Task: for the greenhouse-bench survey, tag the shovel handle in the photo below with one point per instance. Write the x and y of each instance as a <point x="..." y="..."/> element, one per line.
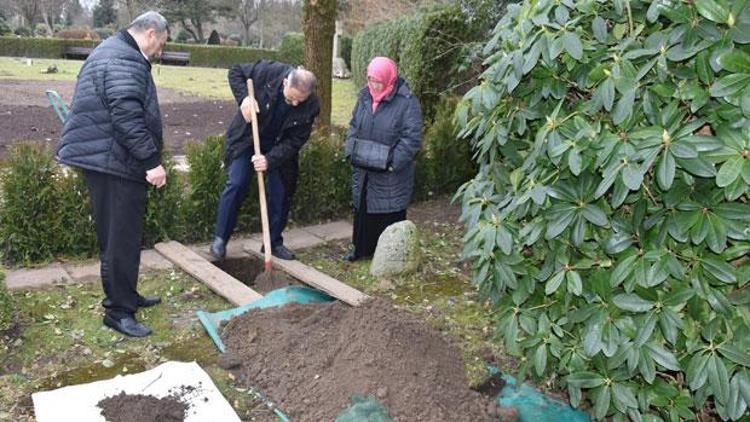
<point x="261" y="182"/>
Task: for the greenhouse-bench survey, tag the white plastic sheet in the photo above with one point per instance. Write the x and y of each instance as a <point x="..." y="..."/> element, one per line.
<point x="78" y="402"/>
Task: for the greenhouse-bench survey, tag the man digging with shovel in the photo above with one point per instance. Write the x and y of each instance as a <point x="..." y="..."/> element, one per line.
<point x="286" y="105"/>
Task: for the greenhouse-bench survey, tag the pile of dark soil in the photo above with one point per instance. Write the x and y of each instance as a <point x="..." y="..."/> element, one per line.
<point x="311" y="359"/>
<point x="138" y="407"/>
<point x="144" y="408"/>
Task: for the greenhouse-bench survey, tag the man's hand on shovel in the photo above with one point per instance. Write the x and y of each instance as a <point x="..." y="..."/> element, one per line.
<point x="248" y="106"/>
<point x="259" y="162"/>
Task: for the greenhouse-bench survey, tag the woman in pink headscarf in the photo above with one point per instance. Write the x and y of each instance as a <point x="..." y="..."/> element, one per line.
<point x="384" y="136"/>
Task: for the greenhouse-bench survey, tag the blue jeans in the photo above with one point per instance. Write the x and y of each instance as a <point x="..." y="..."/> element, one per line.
<point x="235" y="192"/>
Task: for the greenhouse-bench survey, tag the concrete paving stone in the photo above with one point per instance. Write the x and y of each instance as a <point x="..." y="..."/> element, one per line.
<point x="331" y="231"/>
<point x="300" y="239"/>
<point x="153" y="260"/>
<point x="84" y="273"/>
<point x="33" y="278"/>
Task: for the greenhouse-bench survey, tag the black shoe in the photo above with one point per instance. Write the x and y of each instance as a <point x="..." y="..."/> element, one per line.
<point x="219" y="248"/>
<point x="350" y="256"/>
<point x="143" y="301"/>
<point x="147" y="301"/>
<point x="128" y="326"/>
<point x="281" y="252"/>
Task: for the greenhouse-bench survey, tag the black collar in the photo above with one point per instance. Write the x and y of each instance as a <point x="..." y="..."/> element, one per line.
<point x="129" y="40"/>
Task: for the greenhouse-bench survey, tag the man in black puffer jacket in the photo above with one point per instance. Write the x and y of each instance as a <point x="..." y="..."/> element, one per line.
<point x="287" y="106"/>
<point x="114" y="134"/>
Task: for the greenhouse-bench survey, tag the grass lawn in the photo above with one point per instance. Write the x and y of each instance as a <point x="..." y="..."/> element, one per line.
<point x="210" y="83"/>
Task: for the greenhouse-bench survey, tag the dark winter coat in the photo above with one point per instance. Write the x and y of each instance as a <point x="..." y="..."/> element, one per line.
<point x="114" y="125"/>
<point x="267" y="79"/>
<point x="396" y="125"/>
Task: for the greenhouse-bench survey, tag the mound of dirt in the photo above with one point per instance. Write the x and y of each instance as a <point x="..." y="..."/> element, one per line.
<point x="138" y="407"/>
<point x="144" y="408"/>
<point x="311" y="359"/>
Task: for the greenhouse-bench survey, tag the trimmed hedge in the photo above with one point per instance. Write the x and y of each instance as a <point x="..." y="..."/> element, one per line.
<point x="44" y="208"/>
<point x="200" y="55"/>
<point x="425" y="45"/>
<point x="292" y="48"/>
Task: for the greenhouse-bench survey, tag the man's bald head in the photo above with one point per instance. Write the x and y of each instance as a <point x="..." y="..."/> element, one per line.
<point x="299" y="85"/>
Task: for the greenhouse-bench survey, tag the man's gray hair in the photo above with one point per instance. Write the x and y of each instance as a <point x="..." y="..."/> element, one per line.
<point x="303" y="80"/>
<point x="149" y="20"/>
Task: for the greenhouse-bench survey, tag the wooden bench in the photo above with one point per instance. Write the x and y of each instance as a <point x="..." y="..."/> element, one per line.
<point x="175" y="57"/>
<point x="71" y="52"/>
<point x="167" y="57"/>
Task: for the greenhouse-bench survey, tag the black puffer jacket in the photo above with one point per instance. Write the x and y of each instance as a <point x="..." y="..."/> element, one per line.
<point x="114" y="125"/>
<point x="267" y="78"/>
<point x="397" y="124"/>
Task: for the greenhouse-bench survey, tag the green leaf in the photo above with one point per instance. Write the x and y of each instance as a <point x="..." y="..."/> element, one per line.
<point x="632" y="302"/>
<point x="679" y="296"/>
<point x="735" y="354"/>
<point x="601" y="405"/>
<point x="702" y="66"/>
<point x="646" y="366"/>
<point x="575" y="285"/>
<point x="599" y="27"/>
<point x="540" y="359"/>
<point x="563" y="220"/>
<point x="624" y="107"/>
<point x="736" y="61"/>
<point x="663" y="357"/>
<point x="505" y="240"/>
<point x="594" y="215"/>
<point x="716" y="238"/>
<point x="606" y="183"/>
<point x="712" y="11"/>
<point x="729" y="85"/>
<point x="607" y="89"/>
<point x="574" y="161"/>
<point x="697" y="166"/>
<point x="622" y="271"/>
<point x="585" y="379"/>
<point x="729" y="171"/>
<point x="554" y="283"/>
<point x="746" y="172"/>
<point x="697" y="371"/>
<point x="644" y="331"/>
<point x="718" y="378"/>
<point x="665" y="171"/>
<point x="721" y="270"/>
<point x="625" y="395"/>
<point x="573" y="45"/>
<point x="632" y="177"/>
<point x="683" y="150"/>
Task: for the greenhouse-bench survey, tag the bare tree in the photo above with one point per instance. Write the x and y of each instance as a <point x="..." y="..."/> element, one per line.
<point x="28" y="9"/>
<point x="52" y="11"/>
<point x="194" y="14"/>
<point x="133" y="8"/>
<point x="356" y="14"/>
<point x="249" y="13"/>
<point x="319" y="23"/>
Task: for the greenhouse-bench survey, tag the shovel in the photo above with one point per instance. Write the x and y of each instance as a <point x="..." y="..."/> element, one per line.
<point x="268" y="264"/>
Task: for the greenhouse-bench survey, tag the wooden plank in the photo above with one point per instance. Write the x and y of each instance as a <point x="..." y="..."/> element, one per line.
<point x="311" y="276"/>
<point x="217" y="280"/>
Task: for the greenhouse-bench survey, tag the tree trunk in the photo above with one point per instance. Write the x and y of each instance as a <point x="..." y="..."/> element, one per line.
<point x="319" y="23"/>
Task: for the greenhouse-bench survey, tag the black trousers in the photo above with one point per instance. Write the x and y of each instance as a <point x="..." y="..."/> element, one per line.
<point x="368" y="227"/>
<point x="119" y="206"/>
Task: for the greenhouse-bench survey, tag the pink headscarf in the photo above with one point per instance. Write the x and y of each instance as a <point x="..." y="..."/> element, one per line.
<point x="385" y="71"/>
